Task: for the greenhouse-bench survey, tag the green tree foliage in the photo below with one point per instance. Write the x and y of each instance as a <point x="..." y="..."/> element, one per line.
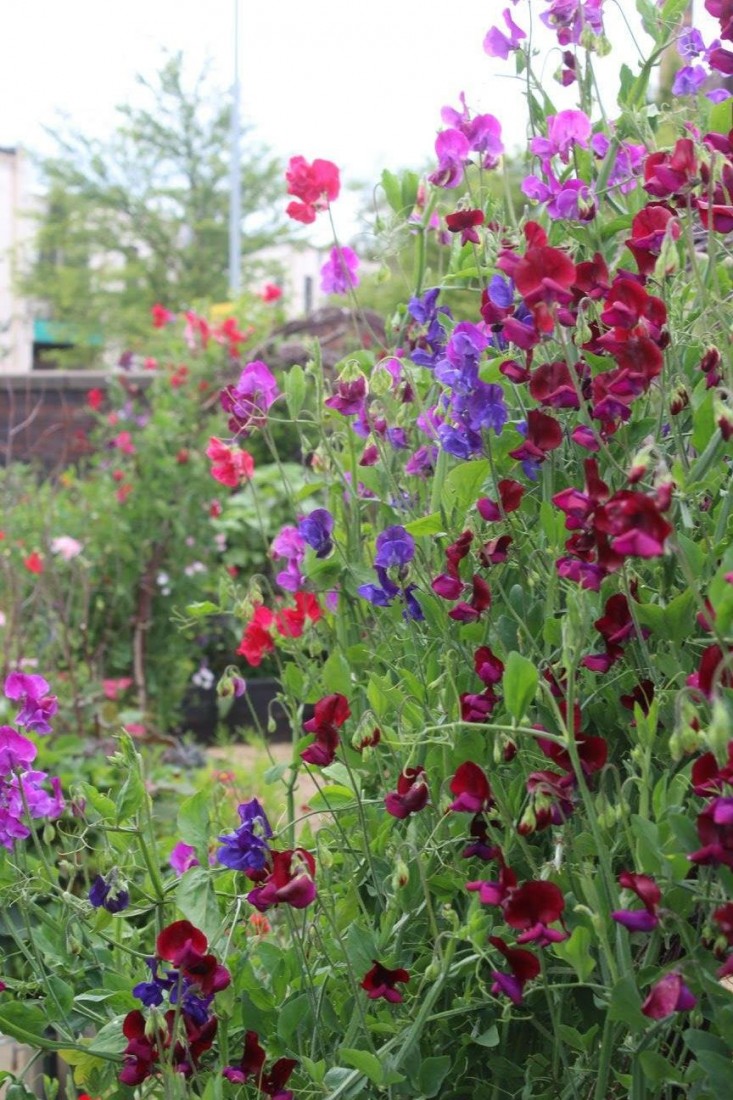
<point x="142" y="216"/>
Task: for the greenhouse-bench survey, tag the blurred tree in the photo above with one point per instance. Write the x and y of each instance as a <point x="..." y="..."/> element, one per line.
<point x="142" y="217"/>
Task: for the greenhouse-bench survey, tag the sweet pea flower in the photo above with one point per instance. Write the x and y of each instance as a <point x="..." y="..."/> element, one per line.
<point x="316" y="185"/>
<point x="395" y="547"/>
<point x="667" y="996"/>
<point x="183" y="857"/>
<point x="66" y="547"/>
<point x="380" y="981"/>
<point x="498" y="44"/>
<point x="339" y="273"/>
<point x="37" y="705"/>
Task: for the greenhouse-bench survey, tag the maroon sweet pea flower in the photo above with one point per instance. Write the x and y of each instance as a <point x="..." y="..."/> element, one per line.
<point x="380" y="981"/>
<point x="552" y="384"/>
<point x="710" y="673"/>
<point x="330" y="713"/>
<point x="671" y="174"/>
<point x="471" y="787"/>
<point x="544" y="434"/>
<point x="633" y="524"/>
<point x="646" y="889"/>
<point x="478" y="707"/>
<point x="411" y="795"/>
<point x="708" y="777"/>
<point x="723" y="917"/>
<point x="480" y="601"/>
<point x="480" y="845"/>
<point x="141" y="1053"/>
<point x="185" y="946"/>
<point x="495" y="892"/>
<point x="543" y="277"/>
<point x="290" y="882"/>
<point x="551" y="795"/>
<point x="251" y="1063"/>
<point x="273" y="1082"/>
<point x="649" y="229"/>
<point x="668" y="995"/>
<point x="523" y="965"/>
<point x="488" y="667"/>
<point x="465" y="222"/>
<point x="510" y="497"/>
<point x="715" y="830"/>
<point x="495" y="551"/>
<point x="532" y="907"/>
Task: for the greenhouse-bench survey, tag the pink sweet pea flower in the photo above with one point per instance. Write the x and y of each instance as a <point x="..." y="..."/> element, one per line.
<point x="668" y="995"/>
<point x="231" y="465"/>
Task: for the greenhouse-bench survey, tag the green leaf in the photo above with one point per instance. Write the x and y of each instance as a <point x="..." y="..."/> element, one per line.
<point x="193" y="823"/>
<point x="104" y="806"/>
<point x="336" y="674"/>
<point x="294" y="1015"/>
<point x="433" y="1072"/>
<point x="294" y="386"/>
<point x="366" y="1062"/>
<point x="626" y="1005"/>
<point x="201" y="609"/>
<point x="24" y="1022"/>
<point x="658" y="1069"/>
<point x="720" y="120"/>
<point x="489" y="1038"/>
<point x="520" y="684"/>
<point x="576" y="952"/>
<point x="196" y="899"/>
<point x="427" y="525"/>
<point x="332" y="797"/>
<point x="673" y="10"/>
<point x="392" y="190"/>
<point x="463" y="485"/>
<point x="409" y="187"/>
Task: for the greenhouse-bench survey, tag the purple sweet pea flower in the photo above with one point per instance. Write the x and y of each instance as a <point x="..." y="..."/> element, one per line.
<point x="108" y="895"/>
<point x="690" y="43"/>
<point x="37" y="705"/>
<point x="349" y="397"/>
<point x="498" y="44"/>
<point x="248" y="401"/>
<point x="338" y="274"/>
<point x="246" y="849"/>
<point x="395" y="547"/>
<point x="422" y="462"/>
<point x="689" y="80"/>
<point x="316" y="529"/>
<point x="289" y="544"/>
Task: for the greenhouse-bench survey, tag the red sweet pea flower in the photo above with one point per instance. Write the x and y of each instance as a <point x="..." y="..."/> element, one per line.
<point x="316" y="185"/>
<point x="715" y="830"/>
<point x="708" y="777"/>
<point x="487" y="665"/>
<point x="411" y="795"/>
<point x="543" y="434"/>
<point x="495" y="551"/>
<point x="95" y="399"/>
<point x="271" y="292"/>
<point x="671" y="174"/>
<point x="161" y="316"/>
<point x="478" y="707"/>
<point x="34" y="562"/>
<point x="495" y="892"/>
<point x="231" y="465"/>
<point x="330" y="714"/>
<point x="523" y="964"/>
<point x="257" y="640"/>
<point x="707" y="675"/>
<point x="480" y="601"/>
<point x="291" y="622"/>
<point x="273" y="1083"/>
<point x="185" y="946"/>
<point x="544" y="276"/>
<point x="472" y="789"/>
<point x="532" y="907"/>
<point x="251" y="1063"/>
<point x="381" y="982"/>
<point x="649" y="229"/>
<point x="290" y="882"/>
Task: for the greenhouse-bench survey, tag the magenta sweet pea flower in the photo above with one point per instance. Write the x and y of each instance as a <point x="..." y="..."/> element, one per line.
<point x="411" y="795"/>
<point x="15" y="751"/>
<point x="37" y="705"/>
<point x="339" y="273"/>
<point x="183" y="857"/>
<point x="646" y="889"/>
<point x="290" y="882"/>
<point x="499" y="44"/>
<point x="667" y="996"/>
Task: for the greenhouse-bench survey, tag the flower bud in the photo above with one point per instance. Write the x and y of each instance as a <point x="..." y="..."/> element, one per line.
<point x="401" y="875"/>
<point x="720" y="731"/>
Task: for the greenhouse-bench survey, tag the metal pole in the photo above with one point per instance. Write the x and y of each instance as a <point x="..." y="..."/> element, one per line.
<point x="235" y="176"/>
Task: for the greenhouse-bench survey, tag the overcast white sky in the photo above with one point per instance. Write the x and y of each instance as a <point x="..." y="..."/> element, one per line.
<point x="361" y="84"/>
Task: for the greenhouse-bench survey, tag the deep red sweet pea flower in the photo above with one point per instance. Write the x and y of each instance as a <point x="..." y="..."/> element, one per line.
<point x="495" y="892"/>
<point x="179" y="942"/>
<point x="471" y="787"/>
<point x="544" y="434"/>
<point x="543" y="277"/>
<point x="646" y="889"/>
<point x="523" y="964"/>
<point x="477" y="707"/>
<point x="330" y="713"/>
<point x="487" y="665"/>
<point x="273" y="1082"/>
<point x="649" y="229"/>
<point x="708" y="777"/>
<point x="480" y="601"/>
<point x="251" y="1063"/>
<point x="510" y="497"/>
<point x="723" y="917"/>
<point x="381" y="982"/>
<point x="707" y="674"/>
<point x="671" y="174"/>
<point x="465" y="222"/>
<point x="290" y="882"/>
<point x="633" y="524"/>
<point x="551" y="384"/>
<point x="495" y="551"/>
<point x="411" y="795"/>
<point x="532" y="907"/>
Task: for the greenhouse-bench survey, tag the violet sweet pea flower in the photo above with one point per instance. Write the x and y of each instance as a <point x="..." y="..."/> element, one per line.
<point x="498" y="44"/>
<point x="339" y="273"/>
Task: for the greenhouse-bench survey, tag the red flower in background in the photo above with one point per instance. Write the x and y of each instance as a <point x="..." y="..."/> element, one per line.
<point x="257" y="639"/>
<point x="161" y="316"/>
<point x="34" y="562"/>
<point x="231" y="465"/>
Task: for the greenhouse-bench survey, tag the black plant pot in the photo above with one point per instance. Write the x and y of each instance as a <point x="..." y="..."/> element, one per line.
<point x="253" y="710"/>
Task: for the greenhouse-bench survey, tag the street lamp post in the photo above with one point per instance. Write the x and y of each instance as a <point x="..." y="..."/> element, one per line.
<point x="235" y="176"/>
